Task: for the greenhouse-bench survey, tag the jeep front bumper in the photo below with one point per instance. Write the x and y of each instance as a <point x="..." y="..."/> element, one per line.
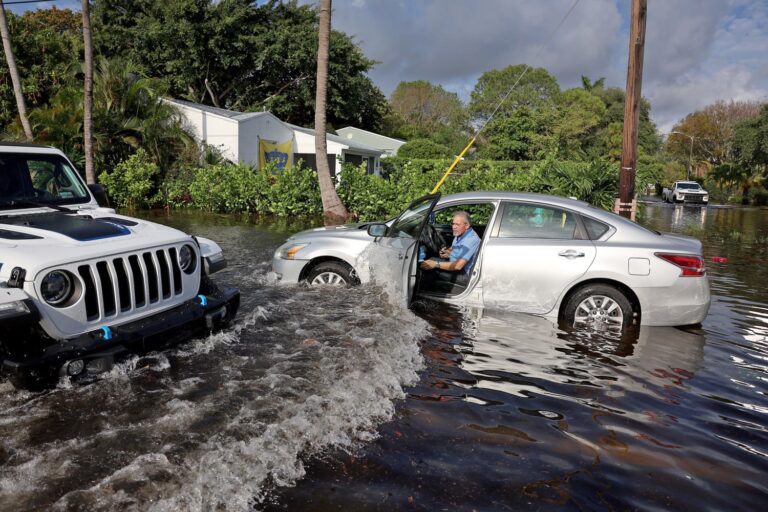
<point x="98" y="349"/>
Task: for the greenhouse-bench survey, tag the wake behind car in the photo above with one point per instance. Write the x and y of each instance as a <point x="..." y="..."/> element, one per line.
<point x="81" y="285"/>
<point x="539" y="254"/>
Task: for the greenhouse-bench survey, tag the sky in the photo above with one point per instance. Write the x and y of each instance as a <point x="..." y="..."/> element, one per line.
<point x="697" y="51"/>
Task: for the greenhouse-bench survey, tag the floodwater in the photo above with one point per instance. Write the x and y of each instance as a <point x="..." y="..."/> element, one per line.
<point x="342" y="400"/>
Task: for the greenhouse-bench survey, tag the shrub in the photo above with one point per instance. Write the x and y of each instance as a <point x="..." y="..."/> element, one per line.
<point x="424" y="148"/>
<point x="228" y="188"/>
<point x="295" y="191"/>
<point x="130" y="181"/>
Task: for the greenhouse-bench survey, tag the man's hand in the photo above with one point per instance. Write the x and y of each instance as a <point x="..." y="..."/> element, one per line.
<point x="428" y="264"/>
<point x="445" y="252"/>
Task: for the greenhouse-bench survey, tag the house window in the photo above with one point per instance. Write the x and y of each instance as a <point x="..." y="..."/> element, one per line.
<point x="310" y="161"/>
<point x="353" y="159"/>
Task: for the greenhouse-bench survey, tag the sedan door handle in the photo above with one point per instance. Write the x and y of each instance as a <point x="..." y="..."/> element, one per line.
<point x="570" y="253"/>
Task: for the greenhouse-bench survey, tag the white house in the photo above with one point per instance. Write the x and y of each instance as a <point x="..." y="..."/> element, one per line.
<point x="338" y="149"/>
<point x="254" y="137"/>
<point x="386" y="144"/>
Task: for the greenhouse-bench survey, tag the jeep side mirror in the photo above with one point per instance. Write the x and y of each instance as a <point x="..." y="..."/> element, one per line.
<point x="99" y="193"/>
<point x="377" y="230"/>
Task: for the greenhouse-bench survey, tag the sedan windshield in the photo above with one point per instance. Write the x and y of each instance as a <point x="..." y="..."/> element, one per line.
<point x="38" y="180"/>
<point x="409" y="223"/>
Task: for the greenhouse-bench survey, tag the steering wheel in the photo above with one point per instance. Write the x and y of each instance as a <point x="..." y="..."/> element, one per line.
<point x="432" y="239"/>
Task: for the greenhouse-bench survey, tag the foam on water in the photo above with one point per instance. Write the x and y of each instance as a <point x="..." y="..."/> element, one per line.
<point x="219" y="421"/>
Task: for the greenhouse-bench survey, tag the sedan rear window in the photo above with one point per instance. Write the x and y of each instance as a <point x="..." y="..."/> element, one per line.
<point x="595" y="229"/>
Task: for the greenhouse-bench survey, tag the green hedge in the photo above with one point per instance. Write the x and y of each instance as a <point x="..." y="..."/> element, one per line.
<point x="230" y="188"/>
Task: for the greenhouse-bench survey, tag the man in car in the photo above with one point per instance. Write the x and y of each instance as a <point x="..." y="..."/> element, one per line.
<point x="455" y="263"/>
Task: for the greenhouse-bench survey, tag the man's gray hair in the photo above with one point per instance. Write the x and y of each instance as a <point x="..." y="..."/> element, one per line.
<point x="464" y="214"/>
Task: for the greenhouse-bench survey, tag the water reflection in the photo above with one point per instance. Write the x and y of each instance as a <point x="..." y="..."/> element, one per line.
<point x="684" y="216"/>
<point x="499" y="345"/>
<point x="502" y="411"/>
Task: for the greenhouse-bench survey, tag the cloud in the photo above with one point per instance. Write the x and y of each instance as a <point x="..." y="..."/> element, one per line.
<point x="716" y="53"/>
<point x="454" y="41"/>
<point x="697" y="51"/>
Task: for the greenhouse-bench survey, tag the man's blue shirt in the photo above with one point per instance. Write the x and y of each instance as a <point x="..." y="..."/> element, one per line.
<point x="465" y="248"/>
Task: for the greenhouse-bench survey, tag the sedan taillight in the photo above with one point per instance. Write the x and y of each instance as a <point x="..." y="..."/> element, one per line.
<point x="692" y="266"/>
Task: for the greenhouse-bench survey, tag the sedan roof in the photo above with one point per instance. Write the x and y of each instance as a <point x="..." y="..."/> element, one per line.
<point x="561" y="202"/>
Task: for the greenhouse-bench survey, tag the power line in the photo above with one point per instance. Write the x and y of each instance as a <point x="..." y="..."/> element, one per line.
<point x="498" y="106"/>
<point x="27" y="2"/>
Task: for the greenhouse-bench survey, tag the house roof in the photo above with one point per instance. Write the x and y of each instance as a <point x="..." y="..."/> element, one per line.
<point x="340" y="140"/>
<point x="347" y="130"/>
<point x="231" y="114"/>
<point x="242" y="116"/>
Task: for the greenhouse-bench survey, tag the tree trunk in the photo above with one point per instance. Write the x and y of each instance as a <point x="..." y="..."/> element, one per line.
<point x="745" y="194"/>
<point x="14" y="72"/>
<point x="333" y="210"/>
<point x="90" y="174"/>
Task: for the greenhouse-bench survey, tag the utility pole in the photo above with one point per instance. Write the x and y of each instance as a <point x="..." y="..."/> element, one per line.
<point x="690" y="161"/>
<point x="690" y="153"/>
<point x="625" y="204"/>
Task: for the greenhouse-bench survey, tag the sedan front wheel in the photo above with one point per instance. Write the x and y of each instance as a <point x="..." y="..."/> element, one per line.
<point x="599" y="307"/>
<point x="332" y="273"/>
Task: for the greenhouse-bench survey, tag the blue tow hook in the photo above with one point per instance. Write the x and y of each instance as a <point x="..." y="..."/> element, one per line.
<point x="106" y="333"/>
<point x="203" y="300"/>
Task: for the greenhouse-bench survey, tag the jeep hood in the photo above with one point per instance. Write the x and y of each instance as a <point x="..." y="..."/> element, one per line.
<point x="39" y="240"/>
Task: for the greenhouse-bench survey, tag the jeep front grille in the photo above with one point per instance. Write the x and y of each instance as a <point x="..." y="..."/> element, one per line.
<point x="123" y="284"/>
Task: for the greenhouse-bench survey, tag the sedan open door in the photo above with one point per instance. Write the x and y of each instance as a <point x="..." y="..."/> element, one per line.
<point x="396" y="263"/>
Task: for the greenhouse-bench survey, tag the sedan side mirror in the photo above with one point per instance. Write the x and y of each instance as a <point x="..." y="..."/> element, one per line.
<point x="99" y="193"/>
<point x="377" y="230"/>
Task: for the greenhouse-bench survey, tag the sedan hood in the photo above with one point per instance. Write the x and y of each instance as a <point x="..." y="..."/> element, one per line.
<point x="358" y="231"/>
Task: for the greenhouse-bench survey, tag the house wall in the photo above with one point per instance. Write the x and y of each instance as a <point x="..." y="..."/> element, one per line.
<point x="213" y="130"/>
<point x="266" y="127"/>
<point x="305" y="144"/>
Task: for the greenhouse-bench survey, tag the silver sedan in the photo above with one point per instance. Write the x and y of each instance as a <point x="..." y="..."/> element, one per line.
<point x="539" y="254"/>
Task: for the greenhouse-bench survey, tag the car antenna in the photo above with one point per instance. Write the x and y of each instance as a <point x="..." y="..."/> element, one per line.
<point x="498" y="106"/>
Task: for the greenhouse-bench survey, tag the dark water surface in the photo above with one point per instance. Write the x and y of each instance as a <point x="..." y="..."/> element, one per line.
<point x="342" y="400"/>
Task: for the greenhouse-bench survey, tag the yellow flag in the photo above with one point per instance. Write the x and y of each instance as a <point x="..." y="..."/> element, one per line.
<point x="280" y="153"/>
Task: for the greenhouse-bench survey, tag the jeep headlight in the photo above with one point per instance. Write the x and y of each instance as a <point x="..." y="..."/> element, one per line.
<point x="187" y="259"/>
<point x="57" y="287"/>
<point x="288" y="252"/>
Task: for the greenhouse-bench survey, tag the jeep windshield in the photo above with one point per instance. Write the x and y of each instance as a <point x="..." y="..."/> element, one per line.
<point x="29" y="180"/>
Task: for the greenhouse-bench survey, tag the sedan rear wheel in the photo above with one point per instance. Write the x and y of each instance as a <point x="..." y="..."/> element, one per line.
<point x="332" y="273"/>
<point x="599" y="307"/>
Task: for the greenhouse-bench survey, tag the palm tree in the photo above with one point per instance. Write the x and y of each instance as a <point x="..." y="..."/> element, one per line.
<point x="590" y="86"/>
<point x="333" y="209"/>
<point x="130" y="113"/>
<point x="14" y="72"/>
<point x="90" y="174"/>
<point x="60" y="123"/>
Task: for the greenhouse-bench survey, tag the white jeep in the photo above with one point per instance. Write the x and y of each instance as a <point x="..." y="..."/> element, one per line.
<point x="81" y="285"/>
